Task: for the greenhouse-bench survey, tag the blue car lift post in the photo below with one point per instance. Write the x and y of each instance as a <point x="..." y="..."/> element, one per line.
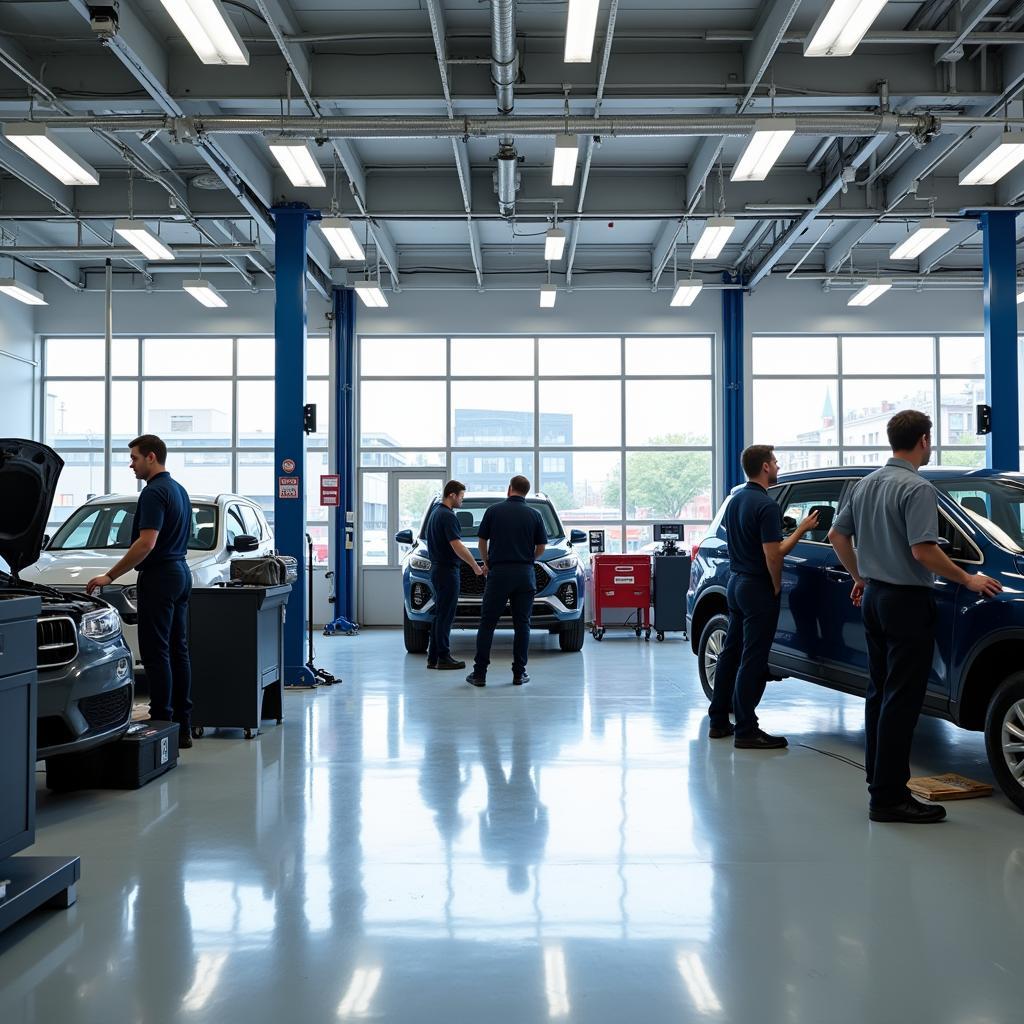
<point x="999" y="239"/>
<point x="291" y="221"/>
<point x="343" y="338"/>
<point x="733" y="393"/>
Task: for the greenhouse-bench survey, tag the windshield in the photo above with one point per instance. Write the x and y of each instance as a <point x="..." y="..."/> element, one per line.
<point x="473" y="510"/>
<point x="109" y="527"/>
<point x="995" y="505"/>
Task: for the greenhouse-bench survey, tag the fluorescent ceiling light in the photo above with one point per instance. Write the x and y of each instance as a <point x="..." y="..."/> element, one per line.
<point x="580" y="29"/>
<point x="686" y="291"/>
<point x="297" y="161"/>
<point x="342" y="237"/>
<point x="208" y="30"/>
<point x="563" y="166"/>
<point x="137" y="233"/>
<point x="554" y="244"/>
<point x="995" y="162"/>
<point x="205" y="293"/>
<point x="764" y="148"/>
<point x="717" y="231"/>
<point x="841" y="27"/>
<point x="871" y="291"/>
<point x="548" y="295"/>
<point x="927" y="232"/>
<point x="35" y="141"/>
<point x="21" y="292"/>
<point x="371" y="294"/>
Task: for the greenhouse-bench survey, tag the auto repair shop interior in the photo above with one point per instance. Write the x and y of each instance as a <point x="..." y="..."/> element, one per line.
<point x="336" y="254"/>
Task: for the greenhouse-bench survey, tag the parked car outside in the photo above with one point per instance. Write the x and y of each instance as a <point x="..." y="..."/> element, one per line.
<point x="977" y="678"/>
<point x="561" y="576"/>
<point x="86" y="686"/>
<point x="92" y="539"/>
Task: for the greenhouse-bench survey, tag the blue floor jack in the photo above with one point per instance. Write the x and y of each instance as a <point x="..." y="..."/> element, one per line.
<point x="340" y="625"/>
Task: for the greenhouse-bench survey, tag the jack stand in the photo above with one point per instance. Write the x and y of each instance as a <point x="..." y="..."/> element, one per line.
<point x="340" y="624"/>
<point x="321" y="677"/>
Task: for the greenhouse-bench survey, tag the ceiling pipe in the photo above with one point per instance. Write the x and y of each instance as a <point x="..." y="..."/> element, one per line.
<point x="504" y="72"/>
<point x="839" y="124"/>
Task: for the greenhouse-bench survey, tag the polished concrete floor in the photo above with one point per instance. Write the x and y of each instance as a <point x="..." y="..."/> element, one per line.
<point x="405" y="848"/>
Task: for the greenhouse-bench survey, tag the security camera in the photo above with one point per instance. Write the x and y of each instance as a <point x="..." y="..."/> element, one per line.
<point x="103" y="19"/>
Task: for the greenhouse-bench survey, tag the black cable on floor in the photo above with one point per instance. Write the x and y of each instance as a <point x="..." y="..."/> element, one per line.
<point x="838" y="757"/>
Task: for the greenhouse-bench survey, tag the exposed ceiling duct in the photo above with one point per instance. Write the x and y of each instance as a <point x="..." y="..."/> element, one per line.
<point x="504" y="72"/>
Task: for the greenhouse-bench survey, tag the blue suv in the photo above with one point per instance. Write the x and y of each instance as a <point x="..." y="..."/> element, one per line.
<point x="977" y="678"/>
<point x="561" y="578"/>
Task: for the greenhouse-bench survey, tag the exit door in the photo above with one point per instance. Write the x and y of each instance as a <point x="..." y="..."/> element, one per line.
<point x="390" y="500"/>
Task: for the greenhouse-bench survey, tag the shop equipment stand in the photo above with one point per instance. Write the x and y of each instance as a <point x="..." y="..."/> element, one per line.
<point x="236" y="638"/>
<point x="671" y="581"/>
<point x="321" y="675"/>
<point x="26" y="883"/>
<point x="622" y="581"/>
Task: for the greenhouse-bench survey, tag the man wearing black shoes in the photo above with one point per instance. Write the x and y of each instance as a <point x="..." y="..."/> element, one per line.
<point x="894" y="515"/>
<point x="512" y="538"/>
<point x="753" y="528"/>
<point x="445" y="547"/>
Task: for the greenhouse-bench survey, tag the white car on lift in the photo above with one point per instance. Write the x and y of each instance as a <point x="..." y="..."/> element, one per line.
<point x="96" y="534"/>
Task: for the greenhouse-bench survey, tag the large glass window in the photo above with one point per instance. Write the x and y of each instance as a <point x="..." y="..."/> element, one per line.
<point x="219" y="428"/>
<point x="826" y="400"/>
<point x="616" y="430"/>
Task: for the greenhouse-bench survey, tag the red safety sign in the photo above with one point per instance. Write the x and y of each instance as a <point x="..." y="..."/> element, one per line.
<point x="288" y="487"/>
<point x="330" y="491"/>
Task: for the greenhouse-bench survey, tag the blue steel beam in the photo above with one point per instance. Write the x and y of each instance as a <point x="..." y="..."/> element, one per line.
<point x="291" y="221"/>
<point x="732" y="381"/>
<point x="999" y="241"/>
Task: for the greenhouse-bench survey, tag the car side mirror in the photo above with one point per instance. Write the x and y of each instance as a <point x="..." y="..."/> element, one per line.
<point x="577" y="536"/>
<point x="245" y="543"/>
<point x="404" y="537"/>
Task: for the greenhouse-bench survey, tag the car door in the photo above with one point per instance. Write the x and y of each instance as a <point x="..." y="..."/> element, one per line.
<point x="807" y="634"/>
<point x="254" y="527"/>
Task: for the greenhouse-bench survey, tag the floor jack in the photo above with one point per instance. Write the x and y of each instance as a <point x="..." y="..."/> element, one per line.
<point x="320" y="675"/>
<point x="339" y="624"/>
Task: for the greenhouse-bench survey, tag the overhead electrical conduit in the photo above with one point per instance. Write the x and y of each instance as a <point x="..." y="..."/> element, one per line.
<point x="504" y="72"/>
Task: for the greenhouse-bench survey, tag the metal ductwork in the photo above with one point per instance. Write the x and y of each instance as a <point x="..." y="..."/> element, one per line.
<point x="504" y="73"/>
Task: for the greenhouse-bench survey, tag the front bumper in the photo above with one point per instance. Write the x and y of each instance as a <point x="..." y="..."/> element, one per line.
<point x="87" y="702"/>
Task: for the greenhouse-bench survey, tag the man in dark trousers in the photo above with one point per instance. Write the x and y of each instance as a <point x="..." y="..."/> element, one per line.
<point x="893" y="513"/>
<point x="445" y="547"/>
<point x="160" y="533"/>
<point x="753" y="528"/>
<point x="512" y="538"/>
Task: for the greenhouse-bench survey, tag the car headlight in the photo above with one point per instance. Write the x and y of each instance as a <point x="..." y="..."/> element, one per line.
<point x="561" y="564"/>
<point x="101" y="625"/>
<point x="419" y="562"/>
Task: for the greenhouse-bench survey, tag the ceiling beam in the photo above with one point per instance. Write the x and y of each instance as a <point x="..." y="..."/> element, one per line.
<point x="768" y="35"/>
<point x="960" y="232"/>
<point x="839" y="251"/>
<point x="970" y="18"/>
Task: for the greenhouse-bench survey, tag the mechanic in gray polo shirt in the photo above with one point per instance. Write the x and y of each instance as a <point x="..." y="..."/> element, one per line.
<point x="893" y="514"/>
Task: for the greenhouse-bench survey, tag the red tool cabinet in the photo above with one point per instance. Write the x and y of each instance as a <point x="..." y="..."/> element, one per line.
<point x="622" y="581"/>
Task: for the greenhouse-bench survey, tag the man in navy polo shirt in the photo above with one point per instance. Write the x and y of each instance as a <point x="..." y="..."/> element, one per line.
<point x="753" y="529"/>
<point x="444" y="545"/>
<point x="512" y="538"/>
<point x="160" y="532"/>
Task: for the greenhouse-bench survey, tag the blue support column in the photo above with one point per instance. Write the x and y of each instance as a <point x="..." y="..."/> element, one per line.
<point x="733" y="391"/>
<point x="345" y="444"/>
<point x="999" y="234"/>
<point x="291" y="221"/>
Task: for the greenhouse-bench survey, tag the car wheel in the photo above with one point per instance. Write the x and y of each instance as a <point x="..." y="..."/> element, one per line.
<point x="709" y="650"/>
<point x="1004" y="737"/>
<point x="571" y="637"/>
<point x="417" y="637"/>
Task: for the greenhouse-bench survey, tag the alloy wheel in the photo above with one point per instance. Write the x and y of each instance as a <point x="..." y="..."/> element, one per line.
<point x="1013" y="740"/>
<point x="713" y="651"/>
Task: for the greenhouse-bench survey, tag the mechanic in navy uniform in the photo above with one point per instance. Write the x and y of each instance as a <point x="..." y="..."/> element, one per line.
<point x="445" y="547"/>
<point x="894" y="515"/>
<point x="512" y="538"/>
<point x="753" y="530"/>
<point x="160" y="533"/>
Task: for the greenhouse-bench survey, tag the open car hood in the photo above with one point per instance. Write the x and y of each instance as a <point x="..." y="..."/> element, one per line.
<point x="29" y="472"/>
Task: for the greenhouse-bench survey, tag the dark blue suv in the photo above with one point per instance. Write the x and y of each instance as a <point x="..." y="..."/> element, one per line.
<point x="977" y="678"/>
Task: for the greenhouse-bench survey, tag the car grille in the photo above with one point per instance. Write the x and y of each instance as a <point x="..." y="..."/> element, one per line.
<point x="56" y="641"/>
<point x="472" y="585"/>
<point x="472" y="611"/>
<point x="105" y="710"/>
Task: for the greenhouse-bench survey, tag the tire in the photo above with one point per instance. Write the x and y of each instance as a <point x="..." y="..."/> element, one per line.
<point x="1004" y="731"/>
<point x="417" y="637"/>
<point x="713" y="637"/>
<point x="572" y="636"/>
